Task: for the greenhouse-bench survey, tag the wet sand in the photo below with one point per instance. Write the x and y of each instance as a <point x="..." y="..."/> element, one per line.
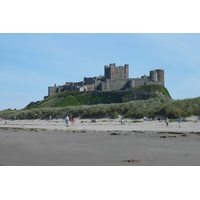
<point x="23" y="143"/>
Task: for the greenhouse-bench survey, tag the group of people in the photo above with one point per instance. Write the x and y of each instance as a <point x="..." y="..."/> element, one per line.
<point x="166" y="121"/>
<point x="94" y="120"/>
<point x="147" y="118"/>
<point x="179" y="122"/>
<point x="67" y="120"/>
<point x="72" y="120"/>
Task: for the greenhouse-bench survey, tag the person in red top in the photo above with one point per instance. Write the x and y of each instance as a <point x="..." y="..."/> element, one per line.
<point x="72" y="121"/>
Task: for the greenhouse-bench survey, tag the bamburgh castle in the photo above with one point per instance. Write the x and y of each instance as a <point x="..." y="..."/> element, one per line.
<point x="115" y="78"/>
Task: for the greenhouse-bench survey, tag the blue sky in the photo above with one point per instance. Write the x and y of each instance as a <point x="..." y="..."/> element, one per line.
<point x="30" y="63"/>
<point x="43" y="43"/>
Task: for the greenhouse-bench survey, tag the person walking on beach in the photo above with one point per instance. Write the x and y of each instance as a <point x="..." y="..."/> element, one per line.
<point x="179" y="122"/>
<point x="72" y="121"/>
<point x="167" y="121"/>
<point x="67" y="121"/>
<point x="122" y="121"/>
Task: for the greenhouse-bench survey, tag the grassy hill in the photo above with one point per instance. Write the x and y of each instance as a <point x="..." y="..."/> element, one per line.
<point x="76" y="98"/>
<point x="159" y="88"/>
<point x="151" y="107"/>
<point x="88" y="105"/>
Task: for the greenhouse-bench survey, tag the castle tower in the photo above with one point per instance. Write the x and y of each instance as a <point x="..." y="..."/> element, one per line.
<point x="126" y="70"/>
<point x="153" y="76"/>
<point x="160" y="73"/>
<point x="112" y="72"/>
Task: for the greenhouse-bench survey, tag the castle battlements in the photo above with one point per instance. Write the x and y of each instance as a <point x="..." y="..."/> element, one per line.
<point x="115" y="78"/>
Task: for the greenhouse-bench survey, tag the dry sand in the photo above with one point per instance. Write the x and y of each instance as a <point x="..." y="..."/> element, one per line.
<point x="104" y="143"/>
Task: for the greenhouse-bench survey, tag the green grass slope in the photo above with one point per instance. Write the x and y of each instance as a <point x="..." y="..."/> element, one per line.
<point x="159" y="88"/>
<point x="76" y="98"/>
<point x="87" y="105"/>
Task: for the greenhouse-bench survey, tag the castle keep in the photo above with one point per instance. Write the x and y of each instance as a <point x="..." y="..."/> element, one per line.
<point x="115" y="78"/>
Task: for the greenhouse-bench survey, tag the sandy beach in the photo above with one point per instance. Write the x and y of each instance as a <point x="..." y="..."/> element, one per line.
<point x="106" y="142"/>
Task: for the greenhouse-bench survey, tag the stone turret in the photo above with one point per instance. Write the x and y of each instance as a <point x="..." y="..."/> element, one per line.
<point x="153" y="76"/>
<point x="157" y="75"/>
<point x="160" y="73"/>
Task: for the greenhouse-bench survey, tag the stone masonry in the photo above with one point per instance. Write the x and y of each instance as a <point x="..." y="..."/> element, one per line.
<point x="115" y="78"/>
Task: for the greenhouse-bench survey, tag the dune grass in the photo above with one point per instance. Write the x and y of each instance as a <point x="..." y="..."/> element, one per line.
<point x="132" y="109"/>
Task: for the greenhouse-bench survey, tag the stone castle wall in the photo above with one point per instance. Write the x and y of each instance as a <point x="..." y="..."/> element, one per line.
<point x="115" y="78"/>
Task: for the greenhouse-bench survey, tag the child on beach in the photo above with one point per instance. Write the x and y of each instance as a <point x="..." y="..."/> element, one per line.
<point x="179" y="122"/>
<point x="72" y="121"/>
<point x="167" y="121"/>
